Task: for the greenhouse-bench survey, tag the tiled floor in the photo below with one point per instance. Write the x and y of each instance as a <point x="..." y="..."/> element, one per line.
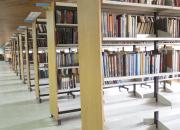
<point x="19" y="109"/>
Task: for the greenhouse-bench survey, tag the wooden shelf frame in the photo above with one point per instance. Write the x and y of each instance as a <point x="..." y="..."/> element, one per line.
<point x="36" y="51"/>
<point x="53" y="48"/>
<point x="90" y="52"/>
<point x="21" y="57"/>
<point x="27" y="59"/>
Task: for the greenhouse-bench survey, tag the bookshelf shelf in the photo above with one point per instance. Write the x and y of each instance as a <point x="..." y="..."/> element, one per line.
<point x="66" y="25"/>
<point x="138" y="8"/>
<point x="69" y="67"/>
<point x="64" y="46"/>
<point x="67" y="35"/>
<point x="112" y="39"/>
<point x="137" y="82"/>
<point x="43" y="68"/>
<point x="142" y="76"/>
<point x="69" y="90"/>
<point x="66" y="4"/>
<point x="42" y="34"/>
<point x="59" y="47"/>
<point x="42" y="48"/>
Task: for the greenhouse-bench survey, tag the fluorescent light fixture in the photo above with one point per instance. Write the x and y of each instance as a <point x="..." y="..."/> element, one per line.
<point x="41" y="4"/>
<point x="32" y="16"/>
<point x="21" y="28"/>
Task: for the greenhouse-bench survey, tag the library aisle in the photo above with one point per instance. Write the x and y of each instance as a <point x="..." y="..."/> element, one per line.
<point x="20" y="111"/>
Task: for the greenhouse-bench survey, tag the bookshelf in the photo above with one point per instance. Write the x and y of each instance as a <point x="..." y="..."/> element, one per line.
<point x="18" y="57"/>
<point x="8" y="53"/>
<point x="59" y="49"/>
<point x="13" y="54"/>
<point x="21" y="42"/>
<point x="90" y="51"/>
<point x="40" y="57"/>
<point x="27" y="53"/>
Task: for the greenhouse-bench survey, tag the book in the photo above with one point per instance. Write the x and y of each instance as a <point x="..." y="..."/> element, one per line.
<point x="42" y="42"/>
<point x="129" y="63"/>
<point x="67" y="36"/>
<point x="43" y="57"/>
<point x="66" y="15"/>
<point x="68" y="78"/>
<point x="43" y="74"/>
<point x="41" y="28"/>
<point x="115" y="25"/>
<point x="65" y="59"/>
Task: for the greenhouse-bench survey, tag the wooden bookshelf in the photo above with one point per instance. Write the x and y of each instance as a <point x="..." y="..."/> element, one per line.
<point x="36" y="51"/>
<point x="90" y="51"/>
<point x="27" y="59"/>
<point x="21" y="57"/>
<point x="53" y="49"/>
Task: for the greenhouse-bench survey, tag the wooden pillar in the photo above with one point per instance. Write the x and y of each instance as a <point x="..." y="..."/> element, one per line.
<point x="35" y="59"/>
<point x="27" y="58"/>
<point x="21" y="56"/>
<point x="90" y="56"/>
<point x="52" y="66"/>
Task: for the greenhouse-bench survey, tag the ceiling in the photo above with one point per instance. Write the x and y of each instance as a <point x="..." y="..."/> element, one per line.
<point x="12" y="14"/>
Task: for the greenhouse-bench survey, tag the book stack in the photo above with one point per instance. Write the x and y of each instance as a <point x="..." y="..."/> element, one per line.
<point x="41" y="28"/>
<point x="116" y="64"/>
<point x="30" y="45"/>
<point x="42" y="42"/>
<point x="145" y="25"/>
<point x="43" y="57"/>
<point x="43" y="74"/>
<point x="177" y="59"/>
<point x="115" y="25"/>
<point x="31" y="57"/>
<point x="156" y="2"/>
<point x="169" y="59"/>
<point x="68" y="78"/>
<point x="66" y="16"/>
<point x="67" y="36"/>
<point x="169" y="25"/>
<point x="65" y="59"/>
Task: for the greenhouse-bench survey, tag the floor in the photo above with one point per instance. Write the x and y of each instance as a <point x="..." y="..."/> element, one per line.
<point x="19" y="109"/>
